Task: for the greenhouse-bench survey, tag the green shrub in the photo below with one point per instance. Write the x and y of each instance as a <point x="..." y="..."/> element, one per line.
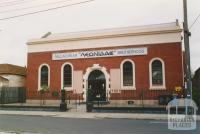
<point x="196" y="96"/>
<point x="55" y="94"/>
<point x="44" y="89"/>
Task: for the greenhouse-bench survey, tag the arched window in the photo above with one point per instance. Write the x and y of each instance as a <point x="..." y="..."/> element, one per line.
<point x="67" y="76"/>
<point x="44" y="76"/>
<point x="127" y="74"/>
<point x="157" y="74"/>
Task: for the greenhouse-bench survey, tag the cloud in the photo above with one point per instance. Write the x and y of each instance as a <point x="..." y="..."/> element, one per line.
<point x="95" y="15"/>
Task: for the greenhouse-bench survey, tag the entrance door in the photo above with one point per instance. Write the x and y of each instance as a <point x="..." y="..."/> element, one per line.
<point x="97" y="86"/>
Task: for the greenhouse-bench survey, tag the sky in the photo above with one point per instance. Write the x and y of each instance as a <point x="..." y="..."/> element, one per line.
<point x="96" y="14"/>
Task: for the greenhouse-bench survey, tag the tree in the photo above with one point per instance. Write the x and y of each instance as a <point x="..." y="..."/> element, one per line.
<point x="196" y="87"/>
<point x="44" y="89"/>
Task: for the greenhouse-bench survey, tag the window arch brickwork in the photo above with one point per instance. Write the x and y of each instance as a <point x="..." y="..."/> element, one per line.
<point x="127" y="68"/>
<point x="157" y="74"/>
<point x="43" y="76"/>
<point x="67" y="76"/>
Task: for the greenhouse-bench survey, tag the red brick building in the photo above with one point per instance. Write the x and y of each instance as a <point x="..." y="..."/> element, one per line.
<point x="115" y="64"/>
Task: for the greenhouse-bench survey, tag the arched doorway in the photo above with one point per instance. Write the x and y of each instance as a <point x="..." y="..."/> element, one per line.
<point x="97" y="86"/>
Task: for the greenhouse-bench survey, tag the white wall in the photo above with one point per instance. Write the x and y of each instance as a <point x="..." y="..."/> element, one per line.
<point x="106" y="42"/>
<point x="4" y="83"/>
<point x="142" y="35"/>
<point x="115" y="81"/>
<point x="15" y="80"/>
<point x="78" y="81"/>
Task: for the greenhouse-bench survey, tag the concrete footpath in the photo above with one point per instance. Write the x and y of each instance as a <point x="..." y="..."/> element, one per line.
<point x="90" y="115"/>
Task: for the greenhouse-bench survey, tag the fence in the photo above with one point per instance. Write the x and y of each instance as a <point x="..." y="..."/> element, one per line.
<point x="139" y="94"/>
<point x="53" y="97"/>
<point x="12" y="95"/>
<point x="136" y="98"/>
<point x="115" y="99"/>
<point x="117" y="96"/>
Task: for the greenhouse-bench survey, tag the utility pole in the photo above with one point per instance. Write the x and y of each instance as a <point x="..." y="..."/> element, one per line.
<point x="187" y="34"/>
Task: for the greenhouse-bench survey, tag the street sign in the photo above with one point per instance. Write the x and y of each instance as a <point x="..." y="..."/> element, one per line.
<point x="178" y="89"/>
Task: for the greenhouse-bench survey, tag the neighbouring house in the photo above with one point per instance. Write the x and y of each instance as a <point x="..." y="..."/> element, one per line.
<point x="12" y="75"/>
<point x="3" y="82"/>
<point x="116" y="65"/>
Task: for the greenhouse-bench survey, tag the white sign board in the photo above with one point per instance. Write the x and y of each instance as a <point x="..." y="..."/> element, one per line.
<point x="100" y="53"/>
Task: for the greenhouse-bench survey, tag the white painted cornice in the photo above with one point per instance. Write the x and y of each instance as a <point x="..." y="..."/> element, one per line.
<point x="109" y="33"/>
<point x="140" y="35"/>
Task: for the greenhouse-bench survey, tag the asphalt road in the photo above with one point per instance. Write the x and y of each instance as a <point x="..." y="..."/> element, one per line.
<point x="56" y="125"/>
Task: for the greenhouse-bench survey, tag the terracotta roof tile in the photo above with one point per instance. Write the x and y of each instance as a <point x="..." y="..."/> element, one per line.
<point x="12" y="69"/>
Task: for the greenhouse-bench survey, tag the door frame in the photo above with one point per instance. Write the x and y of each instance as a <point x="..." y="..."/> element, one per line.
<point x="96" y="85"/>
<point x="86" y="75"/>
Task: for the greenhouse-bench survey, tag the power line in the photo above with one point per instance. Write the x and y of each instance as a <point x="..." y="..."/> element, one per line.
<point x="16" y="16"/>
<point x="194" y="21"/>
<point x="19" y="9"/>
<point x="6" y="4"/>
<point x="10" y="2"/>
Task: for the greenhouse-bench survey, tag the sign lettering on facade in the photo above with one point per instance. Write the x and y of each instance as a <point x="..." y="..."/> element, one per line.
<point x="100" y="53"/>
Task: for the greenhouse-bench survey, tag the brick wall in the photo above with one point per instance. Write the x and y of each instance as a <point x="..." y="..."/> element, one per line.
<point x="171" y="54"/>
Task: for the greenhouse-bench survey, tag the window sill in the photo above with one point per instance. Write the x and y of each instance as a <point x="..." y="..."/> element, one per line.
<point x="68" y="88"/>
<point x="40" y="88"/>
<point x="157" y="88"/>
<point x="128" y="88"/>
